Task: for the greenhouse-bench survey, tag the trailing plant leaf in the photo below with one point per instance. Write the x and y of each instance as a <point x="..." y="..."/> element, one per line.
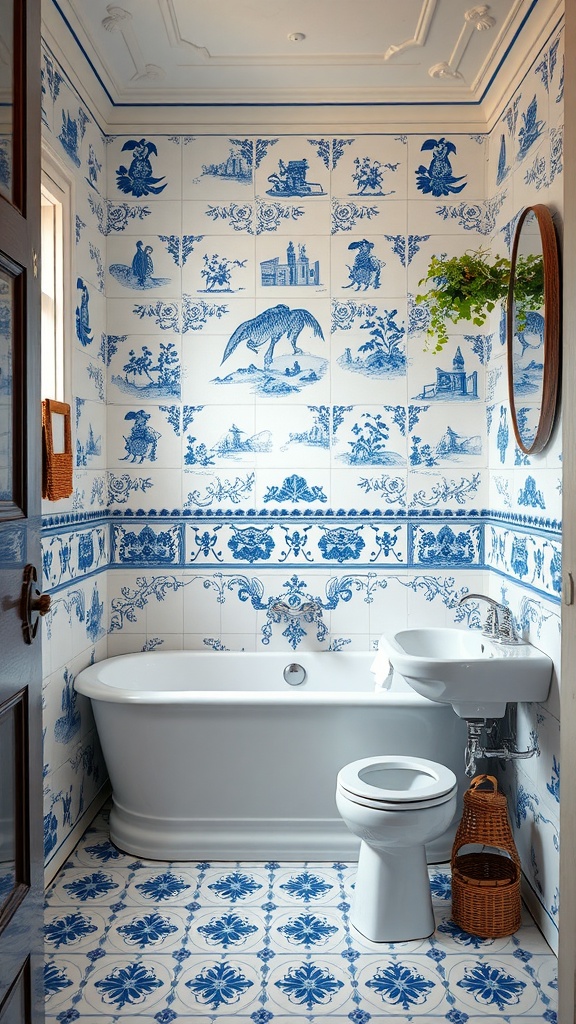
<point x="468" y="287"/>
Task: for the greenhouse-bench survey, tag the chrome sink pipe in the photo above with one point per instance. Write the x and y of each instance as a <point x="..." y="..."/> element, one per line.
<point x="499" y="624"/>
<point x="476" y="752"/>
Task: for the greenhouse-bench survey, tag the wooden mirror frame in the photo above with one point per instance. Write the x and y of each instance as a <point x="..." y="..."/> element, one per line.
<point x="551" y="347"/>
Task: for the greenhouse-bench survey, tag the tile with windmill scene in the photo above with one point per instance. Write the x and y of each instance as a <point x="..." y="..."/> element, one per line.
<point x="294" y="168"/>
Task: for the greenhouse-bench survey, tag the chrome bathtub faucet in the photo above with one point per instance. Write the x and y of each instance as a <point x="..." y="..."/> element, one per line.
<point x="499" y="624"/>
<point x="308" y="608"/>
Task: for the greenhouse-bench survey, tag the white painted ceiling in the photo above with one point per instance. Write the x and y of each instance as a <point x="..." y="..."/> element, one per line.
<point x="351" y="51"/>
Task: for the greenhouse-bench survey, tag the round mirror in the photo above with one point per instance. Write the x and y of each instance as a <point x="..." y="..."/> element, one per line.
<point x="533" y="329"/>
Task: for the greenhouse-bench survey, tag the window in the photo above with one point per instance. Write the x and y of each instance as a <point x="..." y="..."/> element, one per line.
<point x="55" y="276"/>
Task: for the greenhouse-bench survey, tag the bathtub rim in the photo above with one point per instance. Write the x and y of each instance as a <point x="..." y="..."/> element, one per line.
<point x="89" y="683"/>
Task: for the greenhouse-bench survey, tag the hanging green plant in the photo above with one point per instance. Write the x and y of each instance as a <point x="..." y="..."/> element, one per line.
<point x="468" y="287"/>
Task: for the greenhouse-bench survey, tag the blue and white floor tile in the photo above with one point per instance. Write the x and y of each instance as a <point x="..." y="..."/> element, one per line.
<point x="130" y="940"/>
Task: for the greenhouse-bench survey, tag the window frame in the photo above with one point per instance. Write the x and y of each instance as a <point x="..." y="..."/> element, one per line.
<point x="60" y="187"/>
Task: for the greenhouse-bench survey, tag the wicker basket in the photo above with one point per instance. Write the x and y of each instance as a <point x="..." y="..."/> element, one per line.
<point x="486" y="884"/>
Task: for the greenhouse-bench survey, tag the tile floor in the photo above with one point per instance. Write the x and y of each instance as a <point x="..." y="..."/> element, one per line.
<point x="130" y="940"/>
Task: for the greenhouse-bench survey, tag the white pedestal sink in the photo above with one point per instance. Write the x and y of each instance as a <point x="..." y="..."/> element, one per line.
<point x="464" y="668"/>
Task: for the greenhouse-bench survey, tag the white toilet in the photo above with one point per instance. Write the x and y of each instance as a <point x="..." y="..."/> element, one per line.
<point x="395" y="805"/>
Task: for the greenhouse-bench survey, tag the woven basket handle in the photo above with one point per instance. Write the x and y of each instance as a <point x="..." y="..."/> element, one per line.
<point x="479" y="780"/>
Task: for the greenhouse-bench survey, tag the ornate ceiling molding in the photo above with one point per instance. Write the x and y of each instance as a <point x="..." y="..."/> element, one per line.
<point x="200" y="55"/>
<point x="120" y="20"/>
<point x="475" y="19"/>
<point x="421" y="31"/>
<point x="175" y="38"/>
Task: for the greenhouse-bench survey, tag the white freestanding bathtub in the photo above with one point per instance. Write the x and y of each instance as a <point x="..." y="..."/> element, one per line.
<point x="214" y="756"/>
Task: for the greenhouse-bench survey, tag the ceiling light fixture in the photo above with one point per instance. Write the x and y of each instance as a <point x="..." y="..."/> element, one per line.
<point x="296" y="37"/>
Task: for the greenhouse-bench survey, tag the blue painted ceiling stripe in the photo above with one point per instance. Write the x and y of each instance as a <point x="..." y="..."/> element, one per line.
<point x="81" y="48"/>
<point x="525" y="19"/>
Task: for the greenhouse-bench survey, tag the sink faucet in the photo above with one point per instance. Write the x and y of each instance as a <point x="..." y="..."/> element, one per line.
<point x="499" y="624"/>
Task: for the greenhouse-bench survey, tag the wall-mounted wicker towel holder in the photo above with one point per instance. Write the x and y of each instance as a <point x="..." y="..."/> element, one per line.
<point x="56" y="450"/>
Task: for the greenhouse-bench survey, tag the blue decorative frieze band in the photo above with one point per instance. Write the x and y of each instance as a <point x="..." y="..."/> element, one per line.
<point x="519" y="521"/>
<point x="445" y="547"/>
<point x="138" y="545"/>
<point x="51" y="522"/>
<point x="434" y="538"/>
<point x="285" y="513"/>
<point x="75" y="555"/>
<point x="299" y="540"/>
<point x="298" y="544"/>
<point x="527" y="557"/>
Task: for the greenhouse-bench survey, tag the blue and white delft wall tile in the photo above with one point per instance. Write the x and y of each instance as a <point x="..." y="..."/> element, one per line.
<point x="535" y="826"/>
<point x="143" y="169"/>
<point x="73" y="555"/>
<point x="76" y="537"/>
<point x="532" y="558"/>
<point x="233" y="606"/>
<point x="254" y="415"/>
<point x="523" y="538"/>
<point x="74" y="769"/>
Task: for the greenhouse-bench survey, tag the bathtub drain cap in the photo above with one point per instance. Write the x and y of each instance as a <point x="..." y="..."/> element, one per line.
<point x="294" y="674"/>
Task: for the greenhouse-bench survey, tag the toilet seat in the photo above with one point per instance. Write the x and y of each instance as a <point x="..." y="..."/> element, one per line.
<point x="395" y="782"/>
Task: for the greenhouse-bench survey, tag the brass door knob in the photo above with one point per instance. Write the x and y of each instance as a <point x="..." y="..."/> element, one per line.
<point x="33" y="604"/>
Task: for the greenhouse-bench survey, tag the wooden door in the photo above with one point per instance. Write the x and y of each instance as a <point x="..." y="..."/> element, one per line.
<point x="21" y="858"/>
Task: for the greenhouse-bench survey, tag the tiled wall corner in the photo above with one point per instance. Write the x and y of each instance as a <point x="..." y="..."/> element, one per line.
<point x="75" y="549"/>
<point x="523" y="536"/>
